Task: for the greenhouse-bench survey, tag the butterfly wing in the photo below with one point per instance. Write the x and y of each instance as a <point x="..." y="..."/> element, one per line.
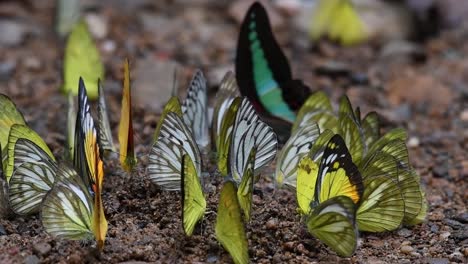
<point x="295" y="148"/>
<point x="82" y="60"/>
<point x="194" y="109"/>
<point x="68" y="208"/>
<point x="9" y="116"/>
<point x="333" y="223"/>
<point x="34" y="176"/>
<point x="85" y="139"/>
<point x="338" y="175"/>
<point x="229" y="228"/>
<point x="248" y="132"/>
<point x="317" y="109"/>
<point x="261" y="66"/>
<point x="166" y="155"/>
<point x="105" y="134"/>
<point x="127" y="148"/>
<point x="245" y="190"/>
<point x="307" y="173"/>
<point x="382" y="206"/>
<point x="173" y="105"/>
<point x="193" y="199"/>
<point x="71" y="124"/>
<point x="22" y="131"/>
<point x="225" y="136"/>
<point x="228" y="90"/>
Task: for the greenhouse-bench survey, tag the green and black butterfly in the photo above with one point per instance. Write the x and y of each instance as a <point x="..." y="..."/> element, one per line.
<point x="263" y="72"/>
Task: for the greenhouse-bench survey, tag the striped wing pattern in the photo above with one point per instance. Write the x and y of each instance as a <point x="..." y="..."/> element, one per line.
<point x="195" y="107"/>
<point x="248" y="132"/>
<point x="292" y="152"/>
<point x="166" y="155"/>
<point x="67" y="211"/>
<point x="228" y="90"/>
<point x="34" y="176"/>
<point x="105" y="134"/>
<point x="333" y="222"/>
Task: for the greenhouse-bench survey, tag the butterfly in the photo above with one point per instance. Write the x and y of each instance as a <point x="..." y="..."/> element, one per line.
<point x="127" y="148"/>
<point x="165" y="159"/>
<point x="262" y="70"/>
<point x="297" y="146"/>
<point x="73" y="210"/>
<point x="85" y="138"/>
<point x="393" y="144"/>
<point x="228" y="91"/>
<point x="193" y="199"/>
<point x="173" y="105"/>
<point x="328" y="193"/>
<point x="195" y="109"/>
<point x="229" y="227"/>
<point x="249" y="132"/>
<point x="105" y="134"/>
<point x="82" y="60"/>
<point x="33" y="170"/>
<point x="338" y="20"/>
<point x="9" y="115"/>
<point x="71" y="123"/>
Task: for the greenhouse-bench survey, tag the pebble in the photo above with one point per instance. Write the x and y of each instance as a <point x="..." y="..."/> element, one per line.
<point x="406" y="249"/>
<point x="404" y="232"/>
<point x="288" y="246"/>
<point x="13" y="33"/>
<point x="462" y="218"/>
<point x="444" y="235"/>
<point x="272" y="224"/>
<point x="437" y="261"/>
<point x="454" y="223"/>
<point x="465" y="252"/>
<point x="413" y="142"/>
<point x="109" y="46"/>
<point x="7" y="69"/>
<point x="464" y="115"/>
<point x="97" y="25"/>
<point x="2" y="230"/>
<point x="32" y="63"/>
<point x="31" y="259"/>
<point x="41" y="248"/>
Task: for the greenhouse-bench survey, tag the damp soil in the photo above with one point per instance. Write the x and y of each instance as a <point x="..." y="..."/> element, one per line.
<point x="426" y="94"/>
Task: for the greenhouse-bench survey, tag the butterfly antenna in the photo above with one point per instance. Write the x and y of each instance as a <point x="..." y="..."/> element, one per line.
<point x="174" y="82"/>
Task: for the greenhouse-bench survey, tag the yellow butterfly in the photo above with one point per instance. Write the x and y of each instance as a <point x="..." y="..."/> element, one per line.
<point x="328" y="193"/>
<point x="82" y="60"/>
<point x="229" y="227"/>
<point x="193" y="199"/>
<point x="338" y="20"/>
<point x="127" y="150"/>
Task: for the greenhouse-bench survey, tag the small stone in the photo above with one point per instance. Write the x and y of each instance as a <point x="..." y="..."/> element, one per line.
<point x="437" y="261"/>
<point x="31" y="259"/>
<point x="272" y="224"/>
<point x="97" y="25"/>
<point x="464" y="115"/>
<point x="465" y="252"/>
<point x="463" y="217"/>
<point x="454" y="223"/>
<point x="32" y="63"/>
<point x="74" y="258"/>
<point x="456" y="256"/>
<point x="444" y="235"/>
<point x="415" y="254"/>
<point x="406" y="243"/>
<point x="13" y="33"/>
<point x="406" y="249"/>
<point x="413" y="142"/>
<point x="404" y="232"/>
<point x="41" y="248"/>
<point x="109" y="46"/>
<point x="2" y="230"/>
<point x="288" y="246"/>
<point x="212" y="259"/>
<point x="7" y="69"/>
